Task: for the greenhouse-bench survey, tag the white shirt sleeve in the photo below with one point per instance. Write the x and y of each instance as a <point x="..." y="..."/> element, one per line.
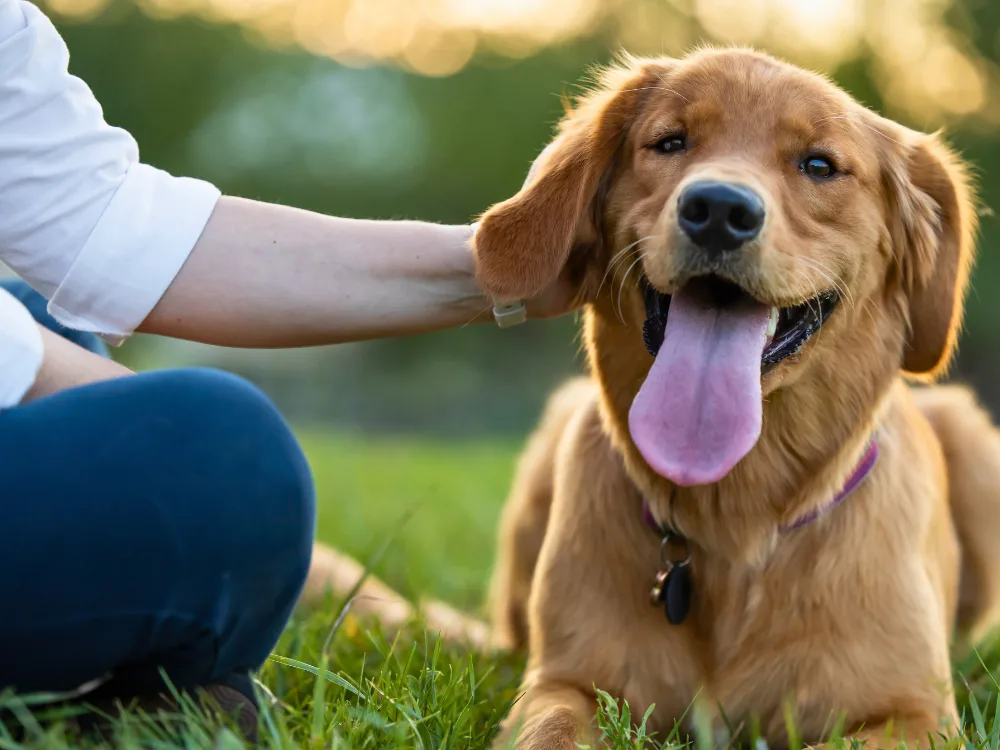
<point x="82" y="220"/>
<point x="100" y="234"/>
<point x="21" y="350"/>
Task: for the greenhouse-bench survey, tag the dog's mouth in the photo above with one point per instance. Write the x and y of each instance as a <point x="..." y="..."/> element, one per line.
<point x="699" y="410"/>
<point x="789" y="328"/>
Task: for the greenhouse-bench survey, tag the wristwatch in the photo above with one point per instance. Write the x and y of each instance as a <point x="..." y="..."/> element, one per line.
<point x="508" y="313"/>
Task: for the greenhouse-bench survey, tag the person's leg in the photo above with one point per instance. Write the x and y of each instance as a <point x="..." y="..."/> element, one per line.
<point x="158" y="520"/>
<point x="38" y="307"/>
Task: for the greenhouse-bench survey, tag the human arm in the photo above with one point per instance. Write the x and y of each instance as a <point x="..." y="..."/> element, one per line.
<point x="66" y="365"/>
<point x="108" y="240"/>
<point x="35" y="362"/>
<point x="263" y="275"/>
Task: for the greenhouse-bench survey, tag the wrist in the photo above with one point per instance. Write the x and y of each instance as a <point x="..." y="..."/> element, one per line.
<point x="506" y="313"/>
<point x="473" y="302"/>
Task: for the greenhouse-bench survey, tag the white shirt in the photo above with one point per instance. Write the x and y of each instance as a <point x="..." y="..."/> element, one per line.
<point x="98" y="233"/>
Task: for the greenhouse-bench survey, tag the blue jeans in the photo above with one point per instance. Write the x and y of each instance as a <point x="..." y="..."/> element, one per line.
<point x="163" y="520"/>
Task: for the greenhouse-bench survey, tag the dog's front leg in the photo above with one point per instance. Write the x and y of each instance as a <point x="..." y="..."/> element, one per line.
<point x="549" y="717"/>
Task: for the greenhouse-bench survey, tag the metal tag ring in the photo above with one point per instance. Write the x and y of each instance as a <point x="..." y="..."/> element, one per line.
<point x="664" y="556"/>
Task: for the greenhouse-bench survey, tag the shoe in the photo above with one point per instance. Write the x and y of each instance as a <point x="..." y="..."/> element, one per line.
<point x="228" y="701"/>
<point x="220" y="699"/>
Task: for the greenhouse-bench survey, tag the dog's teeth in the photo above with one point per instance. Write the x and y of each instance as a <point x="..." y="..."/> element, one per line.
<point x="772" y="322"/>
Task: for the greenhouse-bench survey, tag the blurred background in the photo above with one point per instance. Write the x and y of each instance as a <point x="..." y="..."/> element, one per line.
<point x="434" y="109"/>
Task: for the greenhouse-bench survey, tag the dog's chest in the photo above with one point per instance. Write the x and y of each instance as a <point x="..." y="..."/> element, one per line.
<point x="755" y="648"/>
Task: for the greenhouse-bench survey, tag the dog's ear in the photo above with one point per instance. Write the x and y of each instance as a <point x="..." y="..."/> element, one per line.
<point x="932" y="227"/>
<point x="523" y="243"/>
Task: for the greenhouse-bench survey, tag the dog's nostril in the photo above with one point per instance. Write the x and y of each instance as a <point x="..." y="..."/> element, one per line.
<point x="744" y="220"/>
<point x="695" y="210"/>
<point x="720" y="216"/>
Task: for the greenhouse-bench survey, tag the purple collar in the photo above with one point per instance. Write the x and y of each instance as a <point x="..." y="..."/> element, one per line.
<point x="861" y="471"/>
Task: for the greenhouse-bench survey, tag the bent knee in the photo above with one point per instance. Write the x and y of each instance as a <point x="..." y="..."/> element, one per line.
<point x="248" y="447"/>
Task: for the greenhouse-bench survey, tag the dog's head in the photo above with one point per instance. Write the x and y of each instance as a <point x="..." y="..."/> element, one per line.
<point x="754" y="206"/>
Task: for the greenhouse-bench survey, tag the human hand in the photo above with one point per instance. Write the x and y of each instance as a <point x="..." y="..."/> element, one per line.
<point x="559" y="297"/>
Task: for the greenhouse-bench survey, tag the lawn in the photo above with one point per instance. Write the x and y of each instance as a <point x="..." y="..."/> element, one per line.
<point x="341" y="685"/>
<point x="449" y="495"/>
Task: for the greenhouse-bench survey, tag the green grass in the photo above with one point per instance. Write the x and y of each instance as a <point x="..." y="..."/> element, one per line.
<point x="337" y="684"/>
<point x="452" y="494"/>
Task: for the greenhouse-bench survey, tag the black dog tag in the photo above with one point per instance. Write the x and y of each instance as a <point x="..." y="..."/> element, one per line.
<point x="676" y="595"/>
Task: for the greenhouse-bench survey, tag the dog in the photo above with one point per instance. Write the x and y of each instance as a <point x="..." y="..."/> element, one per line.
<point x="757" y="507"/>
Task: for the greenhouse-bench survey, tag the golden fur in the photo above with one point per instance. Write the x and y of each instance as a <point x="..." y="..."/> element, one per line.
<point x="844" y="622"/>
<point x="849" y="618"/>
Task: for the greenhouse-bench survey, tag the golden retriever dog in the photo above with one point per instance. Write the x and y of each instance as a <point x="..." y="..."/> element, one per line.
<point x="745" y="507"/>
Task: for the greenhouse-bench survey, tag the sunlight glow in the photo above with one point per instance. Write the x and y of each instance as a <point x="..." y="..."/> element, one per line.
<point x="920" y="68"/>
<point x="738" y="21"/>
<point x="830" y="29"/>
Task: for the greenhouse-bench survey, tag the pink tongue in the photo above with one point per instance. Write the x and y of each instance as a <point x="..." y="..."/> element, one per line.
<point x="699" y="411"/>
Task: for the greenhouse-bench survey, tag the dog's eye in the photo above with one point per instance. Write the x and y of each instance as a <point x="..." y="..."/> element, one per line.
<point x="819" y="167"/>
<point x="671" y="144"/>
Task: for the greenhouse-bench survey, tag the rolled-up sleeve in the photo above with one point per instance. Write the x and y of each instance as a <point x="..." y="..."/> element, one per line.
<point x="97" y="232"/>
<point x="21" y="350"/>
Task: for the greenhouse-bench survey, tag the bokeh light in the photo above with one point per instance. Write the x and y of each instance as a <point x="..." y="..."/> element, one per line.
<point x="921" y="68"/>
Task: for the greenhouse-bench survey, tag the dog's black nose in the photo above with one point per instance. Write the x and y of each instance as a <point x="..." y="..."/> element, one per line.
<point x="720" y="216"/>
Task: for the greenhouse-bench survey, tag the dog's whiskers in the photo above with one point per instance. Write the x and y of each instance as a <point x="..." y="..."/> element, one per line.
<point x="867" y="308"/>
<point x="672" y="91"/>
<point x="621" y="287"/>
<point x="819" y="305"/>
<point x="830" y="276"/>
<point x="819" y="267"/>
<point x="619" y="258"/>
<point x="837" y="279"/>
<point x="660" y="88"/>
<point x="616" y="264"/>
